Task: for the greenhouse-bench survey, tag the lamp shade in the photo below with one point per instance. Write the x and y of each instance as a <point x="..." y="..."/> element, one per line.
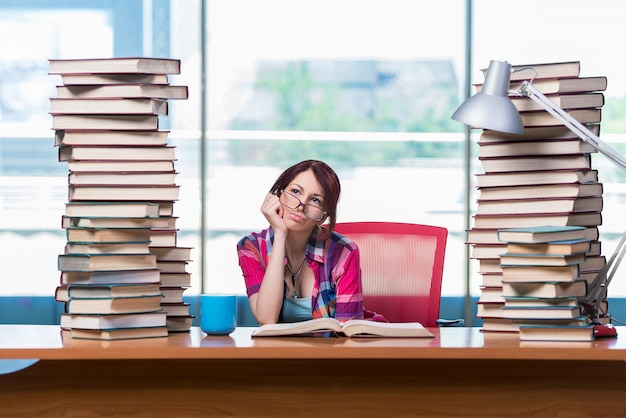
<point x="491" y="108"/>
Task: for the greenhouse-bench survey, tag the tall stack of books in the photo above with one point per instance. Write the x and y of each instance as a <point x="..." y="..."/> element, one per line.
<point x="119" y="218"/>
<point x="541" y="177"/>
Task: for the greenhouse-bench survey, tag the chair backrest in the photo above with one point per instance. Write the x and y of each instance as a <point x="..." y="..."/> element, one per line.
<point x="402" y="268"/>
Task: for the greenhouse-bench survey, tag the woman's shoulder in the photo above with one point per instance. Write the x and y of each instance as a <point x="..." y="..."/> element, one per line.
<point x="343" y="240"/>
<point x="254" y="237"/>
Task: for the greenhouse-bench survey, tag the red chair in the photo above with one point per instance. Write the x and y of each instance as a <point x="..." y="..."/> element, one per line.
<point x="402" y="268"/>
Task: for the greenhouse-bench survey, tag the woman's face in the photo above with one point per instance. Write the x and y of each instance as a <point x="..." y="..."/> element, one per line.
<point x="306" y="188"/>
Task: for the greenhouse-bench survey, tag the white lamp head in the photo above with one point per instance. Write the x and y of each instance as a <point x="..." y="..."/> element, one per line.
<point x="491" y="108"/>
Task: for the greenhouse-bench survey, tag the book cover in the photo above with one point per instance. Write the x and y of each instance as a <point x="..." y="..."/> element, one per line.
<point x="122" y="165"/>
<point x="118" y="305"/>
<point x="110" y="277"/>
<point x="108" y="106"/>
<point x="546" y="163"/>
<point x="536" y="133"/>
<point x="119" y="222"/>
<point x="541" y="234"/>
<point x="172" y="266"/>
<point x="119" y="333"/>
<point x="512" y="259"/>
<point x="106" y="262"/>
<point x="556" y="333"/>
<point x="555" y="247"/>
<point x="543" y="70"/>
<point x="172" y="294"/>
<point x="531" y="148"/>
<point x="127" y="91"/>
<point x="137" y="65"/>
<point x="112" y="209"/>
<point x="181" y="323"/>
<point x="536" y="302"/>
<point x="540" y="206"/>
<point x="548" y="312"/>
<point x="564" y="101"/>
<point x="108" y="138"/>
<point x="121" y="178"/>
<point x="175" y="309"/>
<point x="172" y="253"/>
<point x="568" y="273"/>
<point x="110" y="122"/>
<point x="163" y="238"/>
<point x="536" y="178"/>
<point x="588" y="219"/>
<point x="543" y="191"/>
<point x="560" y="85"/>
<point x="117" y="153"/>
<point x="87" y="321"/>
<point x="567" y="85"/>
<point x="64" y="293"/>
<point x="113" y="78"/>
<point x="148" y="192"/>
<point x="175" y="279"/>
<point x="107" y="248"/>
<point x="108" y="235"/>
<point x="546" y="119"/>
<point x="352" y="328"/>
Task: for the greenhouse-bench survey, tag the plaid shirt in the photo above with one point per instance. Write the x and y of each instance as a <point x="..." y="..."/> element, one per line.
<point x="335" y="262"/>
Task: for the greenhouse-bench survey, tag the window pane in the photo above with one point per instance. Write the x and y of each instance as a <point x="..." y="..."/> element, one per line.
<point x="556" y="35"/>
<point x="360" y="85"/>
<point x="33" y="184"/>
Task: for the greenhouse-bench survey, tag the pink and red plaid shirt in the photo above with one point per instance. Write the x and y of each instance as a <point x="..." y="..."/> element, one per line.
<point x="335" y="262"/>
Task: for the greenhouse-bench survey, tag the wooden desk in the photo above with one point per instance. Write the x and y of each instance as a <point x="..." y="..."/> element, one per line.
<point x="461" y="372"/>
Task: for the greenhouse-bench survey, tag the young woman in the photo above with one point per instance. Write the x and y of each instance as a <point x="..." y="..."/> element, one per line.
<point x="299" y="268"/>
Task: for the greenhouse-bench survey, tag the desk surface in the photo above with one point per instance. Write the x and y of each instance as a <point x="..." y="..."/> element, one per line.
<point x="49" y="342"/>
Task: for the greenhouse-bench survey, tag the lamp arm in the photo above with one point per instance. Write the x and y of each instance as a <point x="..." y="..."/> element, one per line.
<point x="528" y="90"/>
<point x="599" y="285"/>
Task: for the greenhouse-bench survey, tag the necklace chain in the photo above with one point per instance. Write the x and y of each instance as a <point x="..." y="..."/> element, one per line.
<point x="295" y="276"/>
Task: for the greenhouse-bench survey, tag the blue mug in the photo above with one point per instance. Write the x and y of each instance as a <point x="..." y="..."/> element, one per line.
<point x="218" y="314"/>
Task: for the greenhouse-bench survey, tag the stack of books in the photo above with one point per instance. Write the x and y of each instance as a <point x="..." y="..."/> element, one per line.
<point x="542" y="285"/>
<point x="541" y="177"/>
<point x="119" y="219"/>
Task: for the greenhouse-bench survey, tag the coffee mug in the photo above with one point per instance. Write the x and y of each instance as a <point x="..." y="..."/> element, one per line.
<point x="218" y="314"/>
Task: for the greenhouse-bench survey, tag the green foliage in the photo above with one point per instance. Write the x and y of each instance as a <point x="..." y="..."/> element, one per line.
<point x="302" y="104"/>
<point x="340" y="153"/>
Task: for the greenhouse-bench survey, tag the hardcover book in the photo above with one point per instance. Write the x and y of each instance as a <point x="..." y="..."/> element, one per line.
<point x="119" y="333"/>
<point x="541" y="234"/>
<point x="108" y="138"/>
<point x="136" y="65"/>
<point x="352" y="328"/>
<point x="110" y="277"/>
<point x="127" y="91"/>
<point x="100" y="306"/>
<point x="86" y="321"/>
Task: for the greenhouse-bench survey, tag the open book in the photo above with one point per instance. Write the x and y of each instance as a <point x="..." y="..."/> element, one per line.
<point x="351" y="328"/>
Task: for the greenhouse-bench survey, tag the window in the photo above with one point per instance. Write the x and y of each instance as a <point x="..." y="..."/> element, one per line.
<point x="367" y="86"/>
<point x="553" y="36"/>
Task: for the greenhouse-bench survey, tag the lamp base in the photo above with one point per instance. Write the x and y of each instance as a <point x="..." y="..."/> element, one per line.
<point x="604" y="331"/>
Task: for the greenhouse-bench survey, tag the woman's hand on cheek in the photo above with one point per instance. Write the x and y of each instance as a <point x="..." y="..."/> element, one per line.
<point x="273" y="212"/>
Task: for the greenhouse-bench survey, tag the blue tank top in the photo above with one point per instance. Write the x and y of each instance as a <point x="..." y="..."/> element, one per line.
<point x="296" y="309"/>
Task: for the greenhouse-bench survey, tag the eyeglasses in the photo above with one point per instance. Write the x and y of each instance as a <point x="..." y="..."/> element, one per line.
<point x="291" y="201"/>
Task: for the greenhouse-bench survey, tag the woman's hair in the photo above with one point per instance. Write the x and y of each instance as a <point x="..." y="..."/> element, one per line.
<point x="329" y="182"/>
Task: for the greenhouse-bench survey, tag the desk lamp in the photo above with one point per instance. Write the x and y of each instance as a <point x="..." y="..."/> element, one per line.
<point x="492" y="109"/>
